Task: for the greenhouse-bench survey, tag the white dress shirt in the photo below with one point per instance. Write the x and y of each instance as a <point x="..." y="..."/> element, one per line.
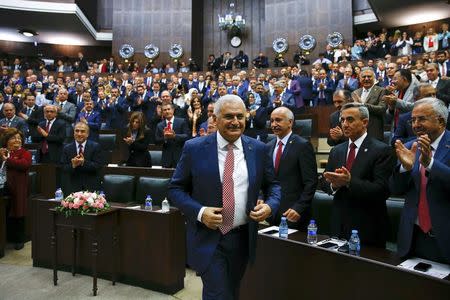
<point x="358" y="142"/>
<point x="240" y="178"/>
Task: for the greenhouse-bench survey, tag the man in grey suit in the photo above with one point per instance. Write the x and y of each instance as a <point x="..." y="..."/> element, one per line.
<point x="371" y="96"/>
<point x="11" y="120"/>
<point x="66" y="112"/>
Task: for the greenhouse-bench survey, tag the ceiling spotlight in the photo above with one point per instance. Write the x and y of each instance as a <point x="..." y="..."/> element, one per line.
<point x="28" y="32"/>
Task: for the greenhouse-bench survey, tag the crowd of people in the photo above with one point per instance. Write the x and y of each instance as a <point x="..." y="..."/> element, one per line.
<point x="64" y="114"/>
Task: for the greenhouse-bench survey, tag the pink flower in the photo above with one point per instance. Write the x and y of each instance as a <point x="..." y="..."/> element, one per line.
<point x="76" y="206"/>
<point x="70" y="205"/>
<point x="100" y="205"/>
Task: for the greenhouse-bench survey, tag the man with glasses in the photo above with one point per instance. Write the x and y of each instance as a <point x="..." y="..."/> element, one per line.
<point x="357" y="175"/>
<point x="390" y="72"/>
<point x="372" y="97"/>
<point x="423" y="175"/>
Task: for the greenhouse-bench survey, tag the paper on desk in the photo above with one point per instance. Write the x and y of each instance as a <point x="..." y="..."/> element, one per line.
<point x="332" y="240"/>
<point x="113" y="165"/>
<point x="134" y="207"/>
<point x="437" y="270"/>
<point x="277" y="229"/>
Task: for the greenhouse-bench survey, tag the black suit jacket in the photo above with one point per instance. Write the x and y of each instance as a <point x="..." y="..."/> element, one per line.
<point x="334" y="121"/>
<point x="138" y="155"/>
<point x="54" y="140"/>
<point x="36" y="116"/>
<point x="362" y="205"/>
<point x="171" y="152"/>
<point x="443" y="90"/>
<point x="297" y="174"/>
<point x="85" y="177"/>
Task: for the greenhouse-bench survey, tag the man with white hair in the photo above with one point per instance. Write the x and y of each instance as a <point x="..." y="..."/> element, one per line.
<point x="216" y="185"/>
<point x="281" y="97"/>
<point x="423" y="175"/>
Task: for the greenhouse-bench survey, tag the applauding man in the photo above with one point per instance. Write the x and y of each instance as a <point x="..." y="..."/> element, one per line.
<point x="424" y="176"/>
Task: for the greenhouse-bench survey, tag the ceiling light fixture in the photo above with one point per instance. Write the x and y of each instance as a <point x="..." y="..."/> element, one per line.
<point x="28" y="32"/>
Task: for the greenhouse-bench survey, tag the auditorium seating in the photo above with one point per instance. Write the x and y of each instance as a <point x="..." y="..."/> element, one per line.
<point x="156" y="187"/>
<point x="108" y="143"/>
<point x="156" y="157"/>
<point x="321" y="212"/>
<point x="303" y="128"/>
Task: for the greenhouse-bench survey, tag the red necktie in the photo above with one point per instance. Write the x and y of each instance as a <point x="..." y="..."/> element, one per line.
<point x="169" y="125"/>
<point x="278" y="156"/>
<point x="350" y="157"/>
<point x="44" y="141"/>
<point x="424" y="213"/>
<point x="80" y="149"/>
<point x="228" y="192"/>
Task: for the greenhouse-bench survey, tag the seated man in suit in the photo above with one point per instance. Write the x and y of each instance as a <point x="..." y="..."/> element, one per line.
<point x="357" y="175"/>
<point x="50" y="134"/>
<point x="295" y="168"/>
<point x="92" y="118"/>
<point x="171" y="133"/>
<point x="81" y="161"/>
<point x="442" y="85"/>
<point x="336" y="135"/>
<point x="216" y="186"/>
<point x="424" y="176"/>
<point x="11" y="120"/>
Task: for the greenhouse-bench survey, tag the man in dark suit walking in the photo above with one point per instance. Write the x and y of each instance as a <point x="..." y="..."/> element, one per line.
<point x="357" y="175"/>
<point x="295" y="168"/>
<point x="171" y="133"/>
<point x="423" y="174"/>
<point x="216" y="185"/>
<point x="81" y="161"/>
<point x="50" y="134"/>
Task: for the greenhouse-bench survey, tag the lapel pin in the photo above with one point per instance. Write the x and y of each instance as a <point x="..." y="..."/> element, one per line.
<point x="365" y="149"/>
<point x="290" y="142"/>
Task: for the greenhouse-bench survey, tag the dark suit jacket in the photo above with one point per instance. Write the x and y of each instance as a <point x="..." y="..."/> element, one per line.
<point x="306" y="86"/>
<point x="334" y="121"/>
<point x="297" y="174"/>
<point x="295" y="89"/>
<point x="404" y="131"/>
<point x="54" y="140"/>
<point x="443" y="90"/>
<point x="362" y="205"/>
<point x="377" y="111"/>
<point x="138" y="155"/>
<point x="172" y="147"/>
<point x="438" y="189"/>
<point x="196" y="183"/>
<point x="94" y="123"/>
<point x="17" y="122"/>
<point x="85" y="177"/>
<point x="36" y="116"/>
<point x="328" y="91"/>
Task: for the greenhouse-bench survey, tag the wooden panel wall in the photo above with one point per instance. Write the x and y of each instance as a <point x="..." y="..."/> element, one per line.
<point x="140" y="22"/>
<point x="292" y="19"/>
<point x="217" y="42"/>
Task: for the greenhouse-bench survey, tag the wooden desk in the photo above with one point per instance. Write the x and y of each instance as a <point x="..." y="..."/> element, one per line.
<point x="103" y="223"/>
<point x="292" y="269"/>
<point x="152" y="247"/>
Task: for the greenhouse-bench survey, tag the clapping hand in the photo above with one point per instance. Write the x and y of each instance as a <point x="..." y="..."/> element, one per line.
<point x="336" y="133"/>
<point x="339" y="178"/>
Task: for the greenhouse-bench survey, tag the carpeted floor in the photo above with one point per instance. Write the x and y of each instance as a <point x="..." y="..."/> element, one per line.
<point x="19" y="280"/>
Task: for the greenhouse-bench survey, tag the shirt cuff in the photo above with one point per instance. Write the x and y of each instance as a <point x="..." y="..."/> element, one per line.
<point x="200" y="213"/>
<point x="402" y="169"/>
<point x="333" y="191"/>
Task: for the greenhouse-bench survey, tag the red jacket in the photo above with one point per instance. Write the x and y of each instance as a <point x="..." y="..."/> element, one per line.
<point x="17" y="166"/>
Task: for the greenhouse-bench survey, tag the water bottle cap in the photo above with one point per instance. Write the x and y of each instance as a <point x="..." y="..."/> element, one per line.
<point x="354" y="231"/>
<point x="283" y="218"/>
<point x="312" y="222"/>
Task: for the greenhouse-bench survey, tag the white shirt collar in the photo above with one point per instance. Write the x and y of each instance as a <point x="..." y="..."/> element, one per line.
<point x="222" y="143"/>
<point x="78" y="145"/>
<point x="435" y="82"/>
<point x="359" y="140"/>
<point x="285" y="139"/>
<point x="436" y="142"/>
<point x="368" y="90"/>
<point x="171" y="120"/>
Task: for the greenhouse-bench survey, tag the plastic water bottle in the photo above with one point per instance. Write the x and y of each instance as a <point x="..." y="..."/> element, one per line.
<point x="312" y="233"/>
<point x="149" y="203"/>
<point x="165" y="207"/>
<point x="354" y="244"/>
<point x="258" y="138"/>
<point x="59" y="195"/>
<point x="33" y="159"/>
<point x="283" y="229"/>
<point x="102" y="193"/>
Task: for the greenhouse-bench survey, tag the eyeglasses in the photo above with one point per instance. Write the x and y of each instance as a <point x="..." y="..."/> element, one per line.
<point x="421" y="119"/>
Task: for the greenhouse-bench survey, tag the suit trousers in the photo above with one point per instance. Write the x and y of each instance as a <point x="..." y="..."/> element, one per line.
<point x="425" y="246"/>
<point x="222" y="277"/>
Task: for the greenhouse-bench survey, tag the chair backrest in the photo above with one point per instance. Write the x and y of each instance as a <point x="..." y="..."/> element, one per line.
<point x="387" y="137"/>
<point x="107" y="141"/>
<point x="270" y="137"/>
<point x="155" y="186"/>
<point x="321" y="211"/>
<point x="303" y="128"/>
<point x="156" y="157"/>
<point x="394" y="210"/>
<point x="119" y="188"/>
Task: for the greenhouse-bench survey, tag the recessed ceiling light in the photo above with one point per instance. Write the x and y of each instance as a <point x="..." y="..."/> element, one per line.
<point x="28" y="32"/>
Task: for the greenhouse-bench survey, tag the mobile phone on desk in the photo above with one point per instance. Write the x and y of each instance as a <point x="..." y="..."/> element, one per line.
<point x="344" y="248"/>
<point x="329" y="245"/>
<point x="270" y="232"/>
<point x="422" y="267"/>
